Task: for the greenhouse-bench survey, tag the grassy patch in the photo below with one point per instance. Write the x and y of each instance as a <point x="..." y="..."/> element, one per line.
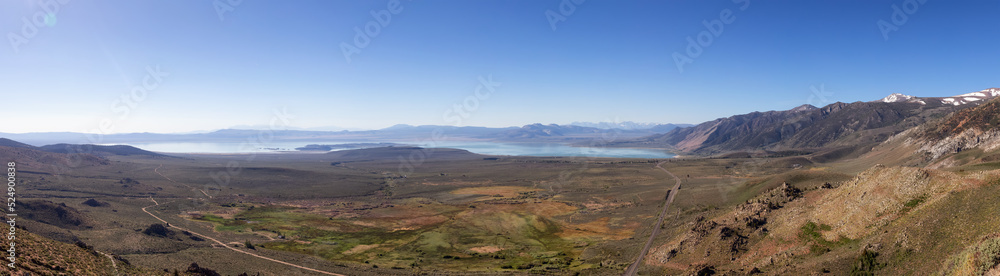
<point x="524" y="240"/>
<point x="812" y="232"/>
<point x="222" y="224"/>
<point x="909" y="205"/>
<point x="986" y="166"/>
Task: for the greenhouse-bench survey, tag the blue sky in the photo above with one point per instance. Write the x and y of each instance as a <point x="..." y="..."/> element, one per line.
<point x="607" y="61"/>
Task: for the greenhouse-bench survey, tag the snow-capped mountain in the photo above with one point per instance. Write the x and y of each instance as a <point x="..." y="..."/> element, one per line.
<point x="973" y="97"/>
<point x="896" y="97"/>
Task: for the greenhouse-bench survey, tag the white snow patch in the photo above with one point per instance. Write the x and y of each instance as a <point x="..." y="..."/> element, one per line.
<point x="896" y="97"/>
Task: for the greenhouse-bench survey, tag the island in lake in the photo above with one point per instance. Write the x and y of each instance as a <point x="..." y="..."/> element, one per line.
<point x="318" y="147"/>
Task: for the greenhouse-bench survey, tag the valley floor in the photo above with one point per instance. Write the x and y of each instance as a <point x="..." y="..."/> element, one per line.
<point x="455" y="213"/>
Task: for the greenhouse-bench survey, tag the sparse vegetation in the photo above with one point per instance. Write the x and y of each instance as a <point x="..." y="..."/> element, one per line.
<point x="866" y="264"/>
<point x="910" y="204"/>
<point x="977" y="259"/>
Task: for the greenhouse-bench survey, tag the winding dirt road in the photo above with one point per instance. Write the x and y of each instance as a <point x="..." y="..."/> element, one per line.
<point x="220" y="242"/>
<point x="659" y="221"/>
<point x="231" y="248"/>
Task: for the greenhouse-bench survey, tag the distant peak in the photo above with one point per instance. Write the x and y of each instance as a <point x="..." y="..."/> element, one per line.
<point x="399" y="126"/>
<point x="897" y="97"/>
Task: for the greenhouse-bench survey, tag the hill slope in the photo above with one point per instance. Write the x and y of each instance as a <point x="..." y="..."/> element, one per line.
<point x="4" y="142"/>
<point x="123" y="150"/>
<point x="966" y="137"/>
<point x="41" y="256"/>
<point x="35" y="159"/>
<point x="903" y="220"/>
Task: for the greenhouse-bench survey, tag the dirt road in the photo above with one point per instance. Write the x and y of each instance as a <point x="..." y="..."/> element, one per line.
<point x="659" y="221"/>
<point x="220" y="242"/>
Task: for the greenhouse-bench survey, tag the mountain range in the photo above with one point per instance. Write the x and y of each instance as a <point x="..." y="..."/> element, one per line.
<point x="528" y="133"/>
<point x="835" y="125"/>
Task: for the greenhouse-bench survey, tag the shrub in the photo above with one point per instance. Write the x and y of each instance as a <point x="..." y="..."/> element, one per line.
<point x="157" y="229"/>
<point x="866" y="264"/>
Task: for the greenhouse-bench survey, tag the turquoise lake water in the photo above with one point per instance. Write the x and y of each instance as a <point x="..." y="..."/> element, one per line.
<point x="490" y="148"/>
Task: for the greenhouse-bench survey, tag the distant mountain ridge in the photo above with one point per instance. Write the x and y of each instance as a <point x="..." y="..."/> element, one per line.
<point x="401" y="132"/>
<point x="979" y="96"/>
<point x="629" y="125"/>
<point x="837" y="124"/>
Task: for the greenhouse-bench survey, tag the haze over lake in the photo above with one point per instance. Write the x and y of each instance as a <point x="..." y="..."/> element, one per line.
<point x="488" y="148"/>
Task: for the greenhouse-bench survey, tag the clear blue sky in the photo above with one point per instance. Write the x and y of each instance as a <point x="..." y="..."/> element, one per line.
<point x="609" y="60"/>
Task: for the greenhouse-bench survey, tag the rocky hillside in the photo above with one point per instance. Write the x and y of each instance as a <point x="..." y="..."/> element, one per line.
<point x="37" y="255"/>
<point x="974" y="128"/>
<point x="887" y="220"/>
<point x="968" y="137"/>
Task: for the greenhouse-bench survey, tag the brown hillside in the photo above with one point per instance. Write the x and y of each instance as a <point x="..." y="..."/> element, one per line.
<point x="32" y="159"/>
<point x="37" y="255"/>
<point x="985" y="117"/>
<point x="912" y="220"/>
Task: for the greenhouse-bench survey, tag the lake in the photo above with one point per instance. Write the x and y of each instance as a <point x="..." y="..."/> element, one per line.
<point x="490" y="148"/>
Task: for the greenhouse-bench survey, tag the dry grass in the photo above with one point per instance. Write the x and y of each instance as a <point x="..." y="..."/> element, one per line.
<point x="503" y="191"/>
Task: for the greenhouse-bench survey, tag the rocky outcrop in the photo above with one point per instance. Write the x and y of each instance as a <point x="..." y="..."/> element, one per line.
<point x="968" y="139"/>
